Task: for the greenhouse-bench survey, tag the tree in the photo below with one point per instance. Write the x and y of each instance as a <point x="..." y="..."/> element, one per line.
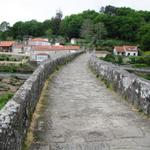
<point x="55" y="22"/>
<point x="144" y="37"/>
<point x="110" y="10"/>
<point x="145" y="42"/>
<point x="70" y="26"/>
<point x="4" y="26"/>
<point x="100" y="31"/>
<point x="49" y="33"/>
<point x="87" y="29"/>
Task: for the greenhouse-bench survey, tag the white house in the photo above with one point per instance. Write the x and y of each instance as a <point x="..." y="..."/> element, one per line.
<point x="126" y="50"/>
<point x="40" y="53"/>
<point x="42" y="57"/>
<point x="73" y="41"/>
<point x="38" y="42"/>
<point x="21" y="48"/>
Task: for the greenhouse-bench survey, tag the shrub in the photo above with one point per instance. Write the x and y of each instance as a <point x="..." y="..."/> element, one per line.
<point x="109" y="58"/>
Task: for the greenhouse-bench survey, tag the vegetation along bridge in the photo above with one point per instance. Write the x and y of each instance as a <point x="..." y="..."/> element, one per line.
<point x="77" y="112"/>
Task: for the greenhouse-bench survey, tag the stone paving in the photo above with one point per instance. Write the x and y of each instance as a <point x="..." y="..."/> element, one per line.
<point x="80" y="113"/>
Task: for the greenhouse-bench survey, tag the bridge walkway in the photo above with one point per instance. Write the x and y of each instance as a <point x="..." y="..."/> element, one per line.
<point x="80" y="113"/>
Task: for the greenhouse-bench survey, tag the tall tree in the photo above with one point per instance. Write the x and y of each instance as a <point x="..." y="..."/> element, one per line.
<point x="4" y="26"/>
<point x="55" y="22"/>
<point x="87" y="29"/>
<point x="100" y="31"/>
<point x="71" y="25"/>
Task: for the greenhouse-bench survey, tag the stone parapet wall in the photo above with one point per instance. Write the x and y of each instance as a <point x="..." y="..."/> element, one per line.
<point x="15" y="117"/>
<point x="133" y="88"/>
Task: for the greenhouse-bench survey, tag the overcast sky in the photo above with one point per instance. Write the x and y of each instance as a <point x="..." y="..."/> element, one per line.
<point x="16" y="10"/>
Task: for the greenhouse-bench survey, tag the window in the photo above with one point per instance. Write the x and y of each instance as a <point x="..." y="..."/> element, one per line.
<point x="128" y="54"/>
<point x="134" y="54"/>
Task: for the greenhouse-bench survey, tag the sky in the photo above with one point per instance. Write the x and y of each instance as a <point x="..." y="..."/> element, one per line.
<point x="25" y="10"/>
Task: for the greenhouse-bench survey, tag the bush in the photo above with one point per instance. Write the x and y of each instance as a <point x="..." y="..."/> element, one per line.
<point x="23" y="68"/>
<point x="109" y="58"/>
<point x="140" y="65"/>
<point x="113" y="59"/>
<point x="145" y="59"/>
<point x="120" y="60"/>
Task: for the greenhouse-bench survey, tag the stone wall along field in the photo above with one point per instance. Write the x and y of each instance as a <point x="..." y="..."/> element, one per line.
<point x="136" y="90"/>
<point x="15" y="117"/>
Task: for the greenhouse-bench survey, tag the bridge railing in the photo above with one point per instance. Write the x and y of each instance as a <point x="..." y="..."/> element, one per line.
<point x="133" y="88"/>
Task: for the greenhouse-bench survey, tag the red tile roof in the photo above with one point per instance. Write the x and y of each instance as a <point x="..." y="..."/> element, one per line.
<point x="55" y="48"/>
<point x="126" y="48"/>
<point x="130" y="48"/>
<point x="42" y="54"/>
<point x="6" y="43"/>
<point x="39" y="40"/>
<point x="119" y="48"/>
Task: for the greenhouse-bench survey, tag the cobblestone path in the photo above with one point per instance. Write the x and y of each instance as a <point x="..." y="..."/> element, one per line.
<point x="80" y="113"/>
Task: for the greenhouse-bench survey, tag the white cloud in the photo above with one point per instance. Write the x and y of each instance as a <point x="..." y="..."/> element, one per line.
<point x="16" y="10"/>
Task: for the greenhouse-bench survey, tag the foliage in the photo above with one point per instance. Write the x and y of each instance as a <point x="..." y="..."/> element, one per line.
<point x="4" y="98"/>
<point x="87" y="29"/>
<point x="140" y="61"/>
<point x="100" y="31"/>
<point x="114" y="59"/>
<point x="111" y="42"/>
<point x="145" y="42"/>
<point x="21" y="68"/>
<point x="70" y="26"/>
<point x="111" y="22"/>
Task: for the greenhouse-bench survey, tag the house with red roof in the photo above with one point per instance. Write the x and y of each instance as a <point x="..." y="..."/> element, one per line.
<point x="126" y="50"/>
<point x="42" y="53"/>
<point x="6" y="46"/>
<point x="38" y="42"/>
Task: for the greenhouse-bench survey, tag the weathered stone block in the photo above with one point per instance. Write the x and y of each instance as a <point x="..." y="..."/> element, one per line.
<point x="136" y="90"/>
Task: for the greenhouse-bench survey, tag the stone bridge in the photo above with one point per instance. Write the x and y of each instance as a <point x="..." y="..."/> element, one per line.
<point x="76" y="111"/>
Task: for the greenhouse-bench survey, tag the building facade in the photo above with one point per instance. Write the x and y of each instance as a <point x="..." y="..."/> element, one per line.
<point x="126" y="50"/>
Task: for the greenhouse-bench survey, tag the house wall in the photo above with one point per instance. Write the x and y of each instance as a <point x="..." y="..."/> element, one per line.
<point x="36" y="43"/>
<point x="52" y="54"/>
<point x="115" y="52"/>
<point x="17" y="50"/>
<point x="6" y="49"/>
<point x="41" y="58"/>
<point x="131" y="53"/>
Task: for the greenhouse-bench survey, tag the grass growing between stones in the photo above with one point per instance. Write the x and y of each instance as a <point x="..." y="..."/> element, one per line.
<point x="40" y="107"/>
<point x="4" y="98"/>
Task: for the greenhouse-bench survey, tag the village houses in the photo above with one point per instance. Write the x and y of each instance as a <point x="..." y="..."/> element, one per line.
<point x="38" y="49"/>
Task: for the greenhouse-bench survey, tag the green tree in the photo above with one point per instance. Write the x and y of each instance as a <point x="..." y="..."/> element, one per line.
<point x="4" y="26"/>
<point x="55" y="22"/>
<point x="145" y="42"/>
<point x="87" y="29"/>
<point x="100" y="31"/>
<point x="49" y="33"/>
<point x="71" y="25"/>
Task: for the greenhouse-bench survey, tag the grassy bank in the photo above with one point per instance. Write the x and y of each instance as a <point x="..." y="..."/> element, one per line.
<point x="20" y="68"/>
<point x="4" y="98"/>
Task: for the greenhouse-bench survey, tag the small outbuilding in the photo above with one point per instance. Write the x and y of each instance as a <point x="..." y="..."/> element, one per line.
<point x="126" y="50"/>
<point x="6" y="46"/>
